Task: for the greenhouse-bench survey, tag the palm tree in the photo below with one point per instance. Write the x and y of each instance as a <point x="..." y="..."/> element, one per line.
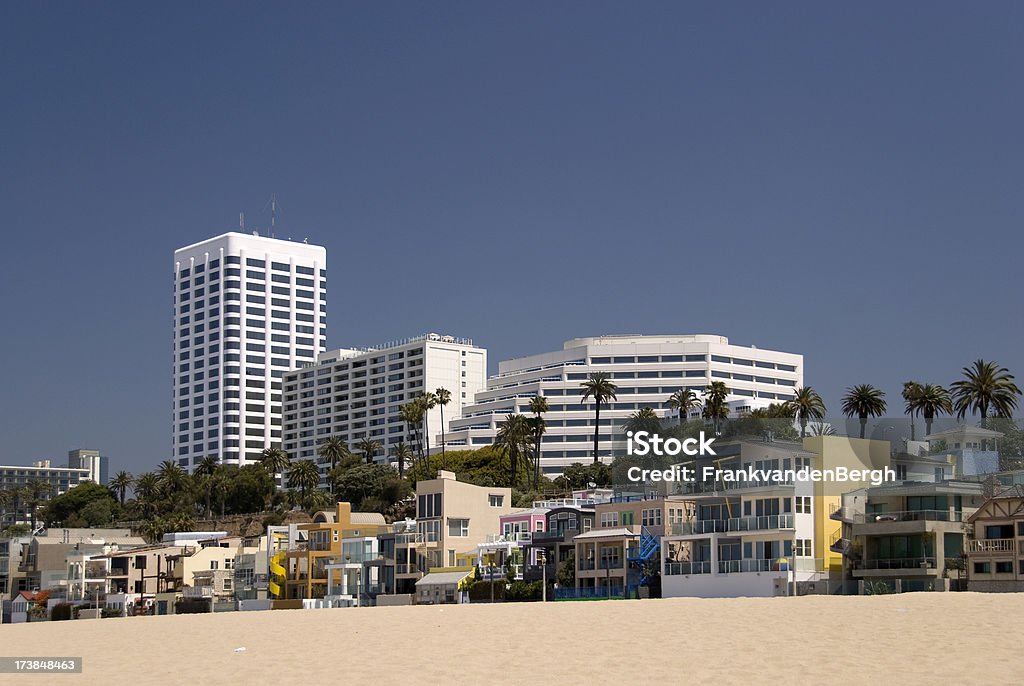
<point x="443" y="396"/>
<point x="147" y="491"/>
<point x="716" y="406"/>
<point x="305" y="476"/>
<point x="368" y="447"/>
<point x="208" y="465"/>
<point x="863" y="401"/>
<point x="644" y="419"/>
<point x="274" y="460"/>
<point x="805" y="406"/>
<point x="428" y="401"/>
<point x="684" y="401"/>
<point x="986" y="386"/>
<point x="932" y="400"/>
<point x="333" y="449"/>
<point x="171" y="477"/>
<point x="599" y="387"/>
<point x="6" y="496"/>
<point x="538" y="406"/>
<point x="412" y="414"/>
<point x="513" y="436"/>
<point x="911" y="389"/>
<point x="121" y="482"/>
<point x="402" y="453"/>
<point x="36" y="491"/>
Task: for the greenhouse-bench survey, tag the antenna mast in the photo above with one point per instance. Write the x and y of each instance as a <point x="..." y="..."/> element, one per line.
<point x="273" y="214"/>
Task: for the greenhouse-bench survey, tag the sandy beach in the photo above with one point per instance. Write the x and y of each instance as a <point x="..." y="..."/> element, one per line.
<point x="916" y="638"/>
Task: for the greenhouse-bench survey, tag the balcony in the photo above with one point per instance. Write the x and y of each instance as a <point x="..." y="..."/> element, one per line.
<point x="686" y="568"/>
<point x="710" y="526"/>
<point x="993" y="545"/>
<point x="717" y="487"/>
<point x="514" y="537"/>
<point x="906" y="516"/>
<point x="926" y="564"/>
<point x="554" y="536"/>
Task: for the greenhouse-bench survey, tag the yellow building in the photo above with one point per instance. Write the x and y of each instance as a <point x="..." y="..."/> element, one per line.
<point x="318" y="543"/>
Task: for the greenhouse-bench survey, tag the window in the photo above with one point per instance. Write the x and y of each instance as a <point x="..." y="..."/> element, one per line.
<point x="803" y="547"/>
<point x="1005" y="567"/>
<point x="495" y="500"/>
<point x="982" y="567"/>
<point x="609" y="519"/>
<point x="651" y="517"/>
<point x="458" y="527"/>
<point x="803" y="504"/>
<point x="901" y="472"/>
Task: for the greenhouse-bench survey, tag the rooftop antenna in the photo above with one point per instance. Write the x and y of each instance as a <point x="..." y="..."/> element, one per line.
<point x="273" y="214"/>
<point x="241" y="221"/>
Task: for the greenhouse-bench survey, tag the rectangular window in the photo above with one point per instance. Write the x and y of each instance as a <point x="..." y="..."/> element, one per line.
<point x="803" y="547"/>
<point x="495" y="500"/>
<point x="458" y="527"/>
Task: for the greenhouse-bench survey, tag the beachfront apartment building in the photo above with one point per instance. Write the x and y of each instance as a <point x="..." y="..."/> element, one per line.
<point x="453" y="518"/>
<point x="246" y="310"/>
<point x="995" y="547"/>
<point x="553" y="545"/>
<point x="618" y="553"/>
<point x="755" y="537"/>
<point x="510" y="551"/>
<point x="301" y="559"/>
<point x="646" y="369"/>
<point x="908" y="536"/>
<point x="357" y="394"/>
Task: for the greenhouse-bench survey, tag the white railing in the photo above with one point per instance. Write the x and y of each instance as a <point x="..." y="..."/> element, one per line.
<point x="991" y="545"/>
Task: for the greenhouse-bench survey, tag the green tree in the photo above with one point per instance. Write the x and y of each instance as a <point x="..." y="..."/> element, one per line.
<point x="513" y="436"/>
<point x="364" y="481"/>
<point x="579" y="476"/>
<point x="412" y="414"/>
<point x="566" y="575"/>
<point x="931" y="401"/>
<point x="368" y="447"/>
<point x="204" y="479"/>
<point x="985" y="387"/>
<point x="599" y="387"/>
<point x="71" y="506"/>
<point x="171" y="477"/>
<point x="863" y="401"/>
<point x="442" y="396"/>
<point x="303" y="475"/>
<point x="333" y="449"/>
<point x="402" y="454"/>
<point x="121" y="482"/>
<point x="538" y="426"/>
<point x="716" y="406"/>
<point x="644" y="419"/>
<point x="805" y="406"/>
<point x="276" y="462"/>
<point x="147" y="493"/>
<point x="683" y="402"/>
<point x="37" y="492"/>
<point x="910" y="393"/>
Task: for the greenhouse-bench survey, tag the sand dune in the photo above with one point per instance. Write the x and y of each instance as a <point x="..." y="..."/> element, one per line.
<point x="915" y="638"/>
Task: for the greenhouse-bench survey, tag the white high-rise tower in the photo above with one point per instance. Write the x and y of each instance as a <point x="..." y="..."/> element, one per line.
<point x="246" y="310"/>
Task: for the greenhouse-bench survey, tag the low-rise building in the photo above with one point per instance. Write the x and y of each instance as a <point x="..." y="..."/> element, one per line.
<point x="995" y="549"/>
<point x="908" y="536"/>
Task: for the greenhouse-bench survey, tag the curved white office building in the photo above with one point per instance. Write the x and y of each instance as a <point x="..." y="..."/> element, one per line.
<point x="646" y="369"/>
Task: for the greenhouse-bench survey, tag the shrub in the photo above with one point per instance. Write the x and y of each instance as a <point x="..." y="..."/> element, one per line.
<point x="191" y="606"/>
<point x="60" y="612"/>
<point x="524" y="591"/>
<point x="480" y="591"/>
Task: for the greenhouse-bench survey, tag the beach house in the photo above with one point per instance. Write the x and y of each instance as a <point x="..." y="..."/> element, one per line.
<point x="995" y="548"/>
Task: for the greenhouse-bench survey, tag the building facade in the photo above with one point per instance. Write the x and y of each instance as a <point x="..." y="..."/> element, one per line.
<point x="357" y="394"/>
<point x="995" y="549"/>
<point x="246" y="310"/>
<point x="646" y="369"/>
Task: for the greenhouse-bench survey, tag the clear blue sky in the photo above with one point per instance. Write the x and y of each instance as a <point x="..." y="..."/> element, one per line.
<point x="840" y="180"/>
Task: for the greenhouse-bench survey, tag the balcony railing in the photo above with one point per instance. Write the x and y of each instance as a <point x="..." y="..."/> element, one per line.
<point x="907" y="516"/>
<point x="992" y="545"/>
<point x="698" y="487"/>
<point x="514" y="537"/>
<point x="680" y="568"/>
<point x="897" y="563"/>
<point x="709" y="526"/>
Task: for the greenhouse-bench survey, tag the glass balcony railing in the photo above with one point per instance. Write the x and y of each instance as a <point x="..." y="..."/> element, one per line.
<point x="710" y="526"/>
<point x="907" y="516"/>
<point x="686" y="568"/>
<point x="897" y="563"/>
